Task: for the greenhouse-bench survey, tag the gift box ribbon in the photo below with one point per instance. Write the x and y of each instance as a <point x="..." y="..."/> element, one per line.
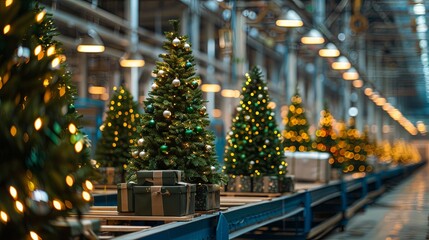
<point x="157" y="177"/>
<point x="124" y="197"/>
<point x="156" y="198"/>
<point x="188" y="195"/>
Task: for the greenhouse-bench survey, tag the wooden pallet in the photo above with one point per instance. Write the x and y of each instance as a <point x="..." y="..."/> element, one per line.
<point x="250" y="194"/>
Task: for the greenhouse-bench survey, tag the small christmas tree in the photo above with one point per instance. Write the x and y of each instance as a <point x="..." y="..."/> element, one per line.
<point x="119" y="130"/>
<point x="355" y="153"/>
<point x="253" y="146"/>
<point x="173" y="129"/>
<point x="295" y="134"/>
<point x="326" y="138"/>
<point x="44" y="158"/>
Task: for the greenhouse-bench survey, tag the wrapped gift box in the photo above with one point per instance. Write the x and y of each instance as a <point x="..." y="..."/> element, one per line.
<point x="165" y="200"/>
<point x="207" y="197"/>
<point x="287" y="183"/>
<point x="266" y="184"/>
<point x="159" y="177"/>
<point x="126" y="197"/>
<point x="239" y="184"/>
<point x="309" y="166"/>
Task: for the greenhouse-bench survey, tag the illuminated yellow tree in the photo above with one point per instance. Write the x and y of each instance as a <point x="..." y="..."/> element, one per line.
<point x="355" y="152"/>
<point x="44" y="157"/>
<point x="119" y="130"/>
<point x="295" y="134"/>
<point x="326" y="138"/>
<point x="384" y="152"/>
<point x="254" y="147"/>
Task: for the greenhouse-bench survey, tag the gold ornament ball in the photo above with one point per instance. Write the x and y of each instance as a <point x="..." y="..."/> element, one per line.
<point x="176" y="82"/>
<point x="154" y="86"/>
<point x="166" y="114"/>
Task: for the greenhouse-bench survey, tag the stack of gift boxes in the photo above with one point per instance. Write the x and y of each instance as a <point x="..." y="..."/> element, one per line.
<point x="157" y="193"/>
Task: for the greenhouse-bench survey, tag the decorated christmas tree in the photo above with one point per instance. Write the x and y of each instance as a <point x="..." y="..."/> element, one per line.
<point x="44" y="158"/>
<point x="173" y="131"/>
<point x="295" y="133"/>
<point x="326" y="138"/>
<point x="118" y="131"/>
<point x="254" y="147"/>
<point x="355" y="152"/>
<point x="384" y="151"/>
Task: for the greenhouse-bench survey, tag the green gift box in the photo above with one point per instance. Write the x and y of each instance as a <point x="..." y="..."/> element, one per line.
<point x="126" y="197"/>
<point x="207" y="197"/>
<point x="266" y="184"/>
<point x="239" y="184"/>
<point x="176" y="200"/>
<point x="159" y="177"/>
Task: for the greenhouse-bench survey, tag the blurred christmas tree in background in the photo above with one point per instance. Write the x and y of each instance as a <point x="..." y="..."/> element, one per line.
<point x="326" y="138"/>
<point x="355" y="150"/>
<point x="254" y="147"/>
<point x="295" y="134"/>
<point x="119" y="130"/>
<point x="173" y="131"/>
<point x="44" y="158"/>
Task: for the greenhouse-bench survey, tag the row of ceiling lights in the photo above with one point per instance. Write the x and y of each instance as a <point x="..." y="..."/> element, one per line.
<point x="92" y="43"/>
<point x="292" y="20"/>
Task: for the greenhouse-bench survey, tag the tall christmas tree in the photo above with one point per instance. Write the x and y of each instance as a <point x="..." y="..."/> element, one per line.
<point x="44" y="158"/>
<point x="355" y="152"/>
<point x="326" y="138"/>
<point x="295" y="133"/>
<point x="254" y="147"/>
<point x="174" y="132"/>
<point x="119" y="130"/>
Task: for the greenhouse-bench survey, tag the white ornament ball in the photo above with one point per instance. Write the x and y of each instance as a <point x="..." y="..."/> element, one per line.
<point x="239" y="109"/>
<point x="247" y="117"/>
<point x="266" y="88"/>
<point x="140" y="142"/>
<point x="252" y="162"/>
<point x="176" y="42"/>
<point x="273" y="114"/>
<point x="213" y="168"/>
<point x="267" y="141"/>
<point x="208" y="147"/>
<point x="176" y="82"/>
<point x="231" y="133"/>
<point x="154" y="86"/>
<point x="135" y="154"/>
<point x="166" y="114"/>
<point x="142" y="154"/>
<point x="161" y="72"/>
<point x="281" y="167"/>
<point x="260" y="96"/>
<point x="187" y="46"/>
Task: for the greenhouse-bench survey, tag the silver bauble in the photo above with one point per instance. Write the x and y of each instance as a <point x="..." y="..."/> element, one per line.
<point x="39" y="202"/>
<point x="208" y="147"/>
<point x="161" y="73"/>
<point x="267" y="141"/>
<point x="154" y="86"/>
<point x="176" y="42"/>
<point x="252" y="162"/>
<point x="187" y="46"/>
<point x="247" y="117"/>
<point x="140" y="142"/>
<point x="239" y="109"/>
<point x="176" y="82"/>
<point x="22" y="55"/>
<point x="142" y="154"/>
<point x="260" y="96"/>
<point x="166" y="114"/>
